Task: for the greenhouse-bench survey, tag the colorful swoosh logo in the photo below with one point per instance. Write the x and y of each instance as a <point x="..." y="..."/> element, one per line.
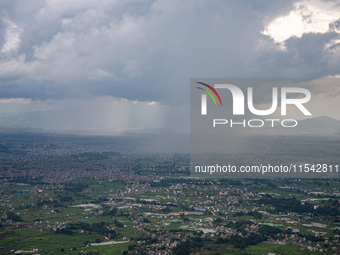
<point x="209" y="93"/>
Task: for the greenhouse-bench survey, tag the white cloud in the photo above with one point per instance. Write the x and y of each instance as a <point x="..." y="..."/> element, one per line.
<point x="12" y="36"/>
<point x="308" y="16"/>
<point x="101" y="74"/>
<point x="15" y="100"/>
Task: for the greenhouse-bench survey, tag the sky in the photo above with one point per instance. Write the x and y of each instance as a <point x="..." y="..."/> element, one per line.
<point x="112" y="66"/>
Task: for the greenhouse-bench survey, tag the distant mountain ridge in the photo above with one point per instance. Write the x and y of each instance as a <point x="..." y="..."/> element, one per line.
<point x="57" y="121"/>
<point x="319" y="125"/>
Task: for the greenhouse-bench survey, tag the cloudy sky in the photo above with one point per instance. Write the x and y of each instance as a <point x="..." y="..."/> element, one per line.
<point x="111" y="66"/>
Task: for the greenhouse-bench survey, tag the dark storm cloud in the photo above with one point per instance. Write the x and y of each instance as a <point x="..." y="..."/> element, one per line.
<point x="116" y="66"/>
<point x="145" y="50"/>
<point x="306" y="57"/>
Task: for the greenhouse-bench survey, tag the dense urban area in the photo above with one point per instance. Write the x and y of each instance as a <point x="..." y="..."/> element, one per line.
<point x="98" y="195"/>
